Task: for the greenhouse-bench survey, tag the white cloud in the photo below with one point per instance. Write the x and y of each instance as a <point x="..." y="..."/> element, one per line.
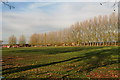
<point x="62" y="0"/>
<point x="40" y="21"/>
<point x="38" y="5"/>
<point x="0" y="21"/>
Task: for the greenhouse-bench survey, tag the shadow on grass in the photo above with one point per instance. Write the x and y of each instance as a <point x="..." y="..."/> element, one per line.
<point x="53" y="50"/>
<point x="95" y="59"/>
<point x="18" y="69"/>
<point x="100" y="59"/>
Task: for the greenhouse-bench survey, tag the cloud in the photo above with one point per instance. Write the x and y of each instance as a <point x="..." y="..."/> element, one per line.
<point x="44" y="18"/>
<point x="61" y="0"/>
<point x="0" y="26"/>
<point x="38" y="5"/>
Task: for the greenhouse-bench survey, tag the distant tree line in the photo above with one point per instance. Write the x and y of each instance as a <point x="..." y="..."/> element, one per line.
<point x="98" y="29"/>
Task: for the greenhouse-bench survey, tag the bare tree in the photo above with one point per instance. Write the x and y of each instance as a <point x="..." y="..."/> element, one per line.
<point x="12" y="40"/>
<point x="115" y="4"/>
<point x="22" y="40"/>
<point x="98" y="29"/>
<point x="34" y="39"/>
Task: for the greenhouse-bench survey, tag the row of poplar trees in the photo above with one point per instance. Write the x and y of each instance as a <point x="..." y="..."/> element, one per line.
<point x="98" y="29"/>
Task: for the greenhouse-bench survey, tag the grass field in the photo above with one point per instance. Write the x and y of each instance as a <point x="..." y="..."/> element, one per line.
<point x="61" y="62"/>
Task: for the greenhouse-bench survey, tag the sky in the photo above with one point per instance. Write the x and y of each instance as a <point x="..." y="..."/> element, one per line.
<point x="61" y="0"/>
<point x="39" y="17"/>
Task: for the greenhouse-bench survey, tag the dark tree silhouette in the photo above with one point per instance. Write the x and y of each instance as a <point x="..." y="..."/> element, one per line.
<point x="115" y="4"/>
<point x="6" y="3"/>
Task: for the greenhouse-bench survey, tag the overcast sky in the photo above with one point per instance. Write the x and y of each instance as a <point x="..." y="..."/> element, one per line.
<point x="38" y="17"/>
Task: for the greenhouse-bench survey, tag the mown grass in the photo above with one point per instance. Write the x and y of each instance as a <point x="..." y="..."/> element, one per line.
<point x="61" y="62"/>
